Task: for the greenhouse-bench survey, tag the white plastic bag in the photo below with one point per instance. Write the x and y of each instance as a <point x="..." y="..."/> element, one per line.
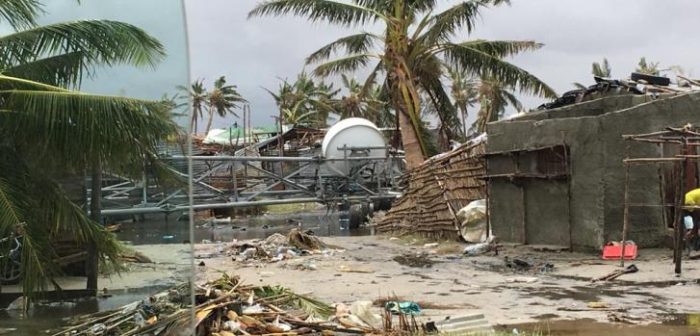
<point x="472" y="221"/>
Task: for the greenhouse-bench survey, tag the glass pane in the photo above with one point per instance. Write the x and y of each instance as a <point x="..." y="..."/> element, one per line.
<point x="94" y="224"/>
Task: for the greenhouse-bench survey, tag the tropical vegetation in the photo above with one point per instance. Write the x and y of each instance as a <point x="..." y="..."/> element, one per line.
<point x="304" y="101"/>
<point x="409" y="52"/>
<point x="222" y="100"/>
<point x="50" y="133"/>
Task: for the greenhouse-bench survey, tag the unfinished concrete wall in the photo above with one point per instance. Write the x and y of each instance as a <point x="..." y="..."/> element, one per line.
<point x="578" y="217"/>
<point x="646" y="223"/>
<point x="593" y="133"/>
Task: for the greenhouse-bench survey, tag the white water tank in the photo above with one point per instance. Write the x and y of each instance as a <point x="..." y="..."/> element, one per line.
<point x="357" y="134"/>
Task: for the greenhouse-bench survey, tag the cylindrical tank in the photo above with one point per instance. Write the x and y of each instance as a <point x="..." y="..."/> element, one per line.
<point x="355" y="133"/>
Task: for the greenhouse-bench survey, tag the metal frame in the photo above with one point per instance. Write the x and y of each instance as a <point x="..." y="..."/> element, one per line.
<point x="309" y="180"/>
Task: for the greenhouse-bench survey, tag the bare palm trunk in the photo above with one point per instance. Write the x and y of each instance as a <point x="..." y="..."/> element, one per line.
<point x="463" y="109"/>
<point x="403" y="92"/>
<point x="211" y="118"/>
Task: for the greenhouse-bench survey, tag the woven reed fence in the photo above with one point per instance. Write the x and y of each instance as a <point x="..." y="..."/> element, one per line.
<point x="435" y="191"/>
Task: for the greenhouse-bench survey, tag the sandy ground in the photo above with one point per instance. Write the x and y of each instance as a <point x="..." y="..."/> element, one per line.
<point x="477" y="284"/>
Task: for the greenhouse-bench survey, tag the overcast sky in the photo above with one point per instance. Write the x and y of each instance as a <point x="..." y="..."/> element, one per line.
<point x="255" y="53"/>
<point x="162" y="19"/>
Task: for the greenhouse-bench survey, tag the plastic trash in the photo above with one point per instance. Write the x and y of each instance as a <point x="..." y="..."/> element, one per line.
<point x="168" y="237"/>
<point x="139" y="320"/>
<point x="363" y="310"/>
<point x="472" y="219"/>
<point x="254" y="309"/>
<point x="688" y="222"/>
<point x="232" y="326"/>
<point x="100" y="328"/>
<point x="249" y="253"/>
<point x="480" y="248"/>
<point x="403" y="307"/>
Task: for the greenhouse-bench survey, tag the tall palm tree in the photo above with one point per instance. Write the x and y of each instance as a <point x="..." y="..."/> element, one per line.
<point x="49" y="130"/>
<point x="196" y="95"/>
<point x="222" y="100"/>
<point x="410" y="51"/>
<point x="493" y="96"/>
<point x="464" y="93"/>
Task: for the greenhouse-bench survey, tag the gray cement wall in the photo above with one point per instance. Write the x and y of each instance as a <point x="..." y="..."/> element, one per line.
<point x="593" y="131"/>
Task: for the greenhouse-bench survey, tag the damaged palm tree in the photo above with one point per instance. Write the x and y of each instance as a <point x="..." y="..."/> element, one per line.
<point x="50" y="132"/>
<point x="412" y="48"/>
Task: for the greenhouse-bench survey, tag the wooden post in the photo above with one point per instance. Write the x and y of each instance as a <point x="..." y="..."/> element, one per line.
<point x="626" y="219"/>
<point x="678" y="222"/>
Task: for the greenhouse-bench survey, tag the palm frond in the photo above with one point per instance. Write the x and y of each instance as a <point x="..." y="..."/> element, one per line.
<point x="447" y="23"/>
<point x="353" y="44"/>
<point x="61" y="70"/>
<point x="345" y="64"/>
<point x="99" y="42"/>
<point x="334" y="12"/>
<point x="20" y="13"/>
<point x="502" y="49"/>
<point x="82" y="127"/>
<point x="486" y="65"/>
<point x="48" y="215"/>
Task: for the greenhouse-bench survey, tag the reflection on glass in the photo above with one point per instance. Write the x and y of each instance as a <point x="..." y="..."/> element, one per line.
<point x="89" y="111"/>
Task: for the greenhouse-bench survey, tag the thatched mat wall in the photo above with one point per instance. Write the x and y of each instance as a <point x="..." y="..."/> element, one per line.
<point x="435" y="191"/>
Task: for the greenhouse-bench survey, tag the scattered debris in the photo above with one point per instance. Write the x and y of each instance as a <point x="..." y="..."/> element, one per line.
<point x="228" y="307"/>
<point x="475" y="324"/>
<point x="415" y="260"/>
<point x="481" y="248"/>
<point x="614" y="275"/>
<point x="598" y="304"/>
<point x="353" y="269"/>
<point x="472" y="219"/>
<point x="522" y="280"/>
<point x="278" y="247"/>
<point x="402" y="307"/>
<point x="613" y="251"/>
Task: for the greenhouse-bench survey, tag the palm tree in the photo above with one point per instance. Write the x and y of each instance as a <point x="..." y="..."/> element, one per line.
<point x="464" y="93"/>
<point x="411" y="49"/>
<point x="649" y="68"/>
<point x="493" y="96"/>
<point x="196" y="95"/>
<point x="305" y="98"/>
<point x="361" y="101"/>
<point x="599" y="70"/>
<point x="48" y="130"/>
<point x="222" y="100"/>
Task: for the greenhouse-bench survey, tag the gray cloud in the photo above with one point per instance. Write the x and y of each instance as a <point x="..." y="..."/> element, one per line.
<point x="161" y="18"/>
<point x="254" y="53"/>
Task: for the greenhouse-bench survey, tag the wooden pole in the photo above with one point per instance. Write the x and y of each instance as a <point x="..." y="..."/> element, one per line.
<point x="626" y="219"/>
<point x="677" y="223"/>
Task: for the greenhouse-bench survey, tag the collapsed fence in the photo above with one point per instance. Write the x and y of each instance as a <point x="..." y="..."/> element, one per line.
<point x="435" y="191"/>
<point x="685" y="142"/>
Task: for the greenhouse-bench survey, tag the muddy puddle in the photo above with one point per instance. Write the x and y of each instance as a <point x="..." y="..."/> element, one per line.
<point x="158" y="230"/>
<point x="49" y="315"/>
<point x="415" y="260"/>
<point x="674" y="325"/>
<point x="161" y="230"/>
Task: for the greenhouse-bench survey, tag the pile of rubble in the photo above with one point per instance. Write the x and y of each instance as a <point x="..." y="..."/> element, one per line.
<point x="227" y="307"/>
